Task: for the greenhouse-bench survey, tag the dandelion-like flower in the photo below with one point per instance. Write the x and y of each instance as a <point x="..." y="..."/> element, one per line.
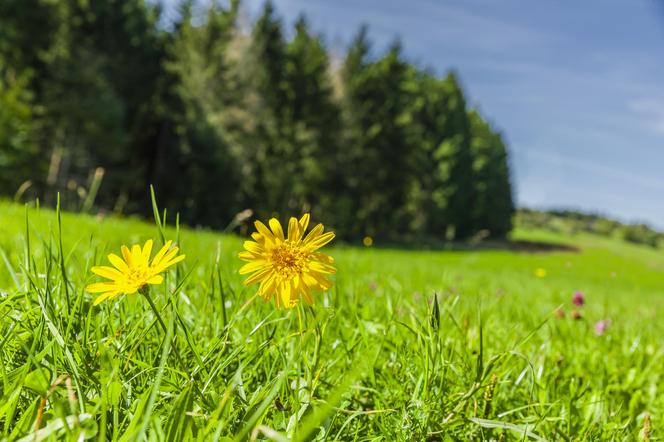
<point x="540" y="272"/>
<point x="288" y="267"/>
<point x="134" y="271"/>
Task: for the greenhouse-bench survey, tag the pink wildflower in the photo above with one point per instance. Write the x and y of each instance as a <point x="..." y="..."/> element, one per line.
<point x="578" y="299"/>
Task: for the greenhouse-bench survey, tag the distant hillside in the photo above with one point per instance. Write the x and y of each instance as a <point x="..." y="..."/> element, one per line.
<point x="572" y="222"/>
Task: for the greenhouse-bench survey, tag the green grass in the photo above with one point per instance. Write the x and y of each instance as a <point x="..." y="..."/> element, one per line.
<point x="374" y="359"/>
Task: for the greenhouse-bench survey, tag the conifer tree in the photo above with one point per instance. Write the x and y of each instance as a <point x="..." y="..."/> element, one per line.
<point x="269" y="154"/>
<point x="494" y="207"/>
<point x="197" y="150"/>
<point x="314" y="121"/>
<point x="377" y="96"/>
<point x="442" y="190"/>
<point x="456" y="174"/>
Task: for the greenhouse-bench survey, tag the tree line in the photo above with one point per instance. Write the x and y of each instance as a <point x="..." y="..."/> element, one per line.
<point x="573" y="222"/>
<point x="98" y="100"/>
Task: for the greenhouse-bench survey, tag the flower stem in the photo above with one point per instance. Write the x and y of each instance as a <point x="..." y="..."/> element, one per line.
<point x="146" y="292"/>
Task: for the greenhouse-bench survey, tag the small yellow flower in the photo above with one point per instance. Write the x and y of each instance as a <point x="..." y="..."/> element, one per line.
<point x="133" y="271"/>
<point x="288" y="267"/>
<point x="367" y="241"/>
<point x="540" y="272"/>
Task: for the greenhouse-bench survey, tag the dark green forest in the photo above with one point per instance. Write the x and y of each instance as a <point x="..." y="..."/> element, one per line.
<point x="101" y="99"/>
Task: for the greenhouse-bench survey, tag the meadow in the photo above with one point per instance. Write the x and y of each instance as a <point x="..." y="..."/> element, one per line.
<point x="408" y="345"/>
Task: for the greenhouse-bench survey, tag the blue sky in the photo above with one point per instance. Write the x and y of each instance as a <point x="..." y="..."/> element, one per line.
<point x="577" y="87"/>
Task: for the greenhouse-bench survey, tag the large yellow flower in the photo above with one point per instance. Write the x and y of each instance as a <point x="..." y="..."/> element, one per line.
<point x="133" y="271"/>
<point x="289" y="267"/>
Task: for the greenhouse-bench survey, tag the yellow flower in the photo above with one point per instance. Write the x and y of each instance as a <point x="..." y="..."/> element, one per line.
<point x="367" y="241"/>
<point x="540" y="272"/>
<point x="288" y="267"/>
<point x="133" y="271"/>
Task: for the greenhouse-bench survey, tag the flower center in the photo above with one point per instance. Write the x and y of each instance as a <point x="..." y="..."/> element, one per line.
<point x="138" y="276"/>
<point x="288" y="260"/>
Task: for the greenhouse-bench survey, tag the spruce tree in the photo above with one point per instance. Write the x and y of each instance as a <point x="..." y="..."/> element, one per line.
<point x="455" y="174"/>
<point x="314" y="122"/>
<point x="376" y="97"/>
<point x="269" y="153"/>
<point x="494" y="206"/>
<point x="197" y="148"/>
<point x="442" y="190"/>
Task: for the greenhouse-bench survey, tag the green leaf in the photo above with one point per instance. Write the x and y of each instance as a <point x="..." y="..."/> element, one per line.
<point x="486" y="423"/>
<point x="179" y="422"/>
<point x="39" y="381"/>
<point x="52" y="429"/>
<point x="434" y="318"/>
<point x="114" y="393"/>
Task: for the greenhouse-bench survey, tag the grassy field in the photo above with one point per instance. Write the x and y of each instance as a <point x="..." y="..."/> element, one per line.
<point x="377" y="358"/>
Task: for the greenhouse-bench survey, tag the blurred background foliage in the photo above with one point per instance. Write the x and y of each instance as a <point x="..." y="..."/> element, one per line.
<point x="571" y="222"/>
<point x="98" y="100"/>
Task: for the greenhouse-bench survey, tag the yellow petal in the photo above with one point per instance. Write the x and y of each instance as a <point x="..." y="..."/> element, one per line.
<point x="321" y="268"/>
<point x="135" y="250"/>
<point x="107" y="272"/>
<point x="315" y="233"/>
<point x="147" y="250"/>
<point x="176" y="260"/>
<point x="258" y="276"/>
<point x="168" y="256"/>
<point x="253" y="247"/>
<point x="137" y="259"/>
<point x="260" y="239"/>
<point x="118" y="263"/>
<point x="156" y="279"/>
<point x="321" y="240"/>
<point x="264" y="231"/>
<point x="275" y="225"/>
<point x="277" y="299"/>
<point x="105" y="296"/>
<point x="306" y="294"/>
<point x="248" y="256"/>
<point x="166" y="263"/>
<point x="323" y="281"/>
<point x="160" y="254"/>
<point x="309" y="280"/>
<point x="101" y="287"/>
<point x="252" y="267"/>
<point x="304" y="223"/>
<point x="285" y="293"/>
<point x="293" y="230"/>
<point x="268" y="287"/>
<point x="126" y="254"/>
<point x="166" y="260"/>
<point x="322" y="257"/>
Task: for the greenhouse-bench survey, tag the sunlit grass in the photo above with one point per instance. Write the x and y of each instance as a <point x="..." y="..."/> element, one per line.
<point x="370" y="358"/>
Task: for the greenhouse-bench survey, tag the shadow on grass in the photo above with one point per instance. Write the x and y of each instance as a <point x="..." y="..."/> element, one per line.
<point x="525" y="246"/>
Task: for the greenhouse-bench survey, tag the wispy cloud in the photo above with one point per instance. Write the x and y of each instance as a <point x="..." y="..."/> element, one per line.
<point x="652" y="111"/>
<point x="554" y="158"/>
